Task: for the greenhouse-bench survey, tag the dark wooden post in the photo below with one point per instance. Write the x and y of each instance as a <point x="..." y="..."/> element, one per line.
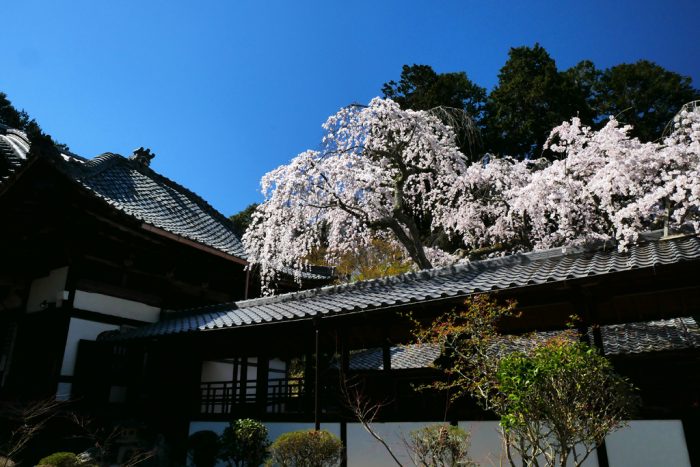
<point x="344" y="369"/>
<point x="261" y="384"/>
<point x="317" y="377"/>
<point x="691" y="430"/>
<point x="344" y="440"/>
<point x="243" y="390"/>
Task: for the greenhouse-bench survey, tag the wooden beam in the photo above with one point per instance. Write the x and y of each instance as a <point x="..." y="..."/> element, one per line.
<point x="192" y="243"/>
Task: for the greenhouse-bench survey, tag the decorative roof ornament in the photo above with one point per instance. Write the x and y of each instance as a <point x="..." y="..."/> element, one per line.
<point x="142" y="156"/>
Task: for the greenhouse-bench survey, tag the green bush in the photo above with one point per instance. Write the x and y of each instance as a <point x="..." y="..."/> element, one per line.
<point x="60" y="459"/>
<point x="306" y="448"/>
<point x="244" y="443"/>
<point x="440" y="446"/>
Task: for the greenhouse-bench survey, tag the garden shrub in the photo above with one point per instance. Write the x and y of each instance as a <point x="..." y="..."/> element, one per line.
<point x="244" y="443"/>
<point x="306" y="448"/>
<point x="60" y="459"/>
<point x="439" y="446"/>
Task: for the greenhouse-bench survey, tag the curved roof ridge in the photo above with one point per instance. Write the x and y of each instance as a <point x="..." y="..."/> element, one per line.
<point x="90" y="167"/>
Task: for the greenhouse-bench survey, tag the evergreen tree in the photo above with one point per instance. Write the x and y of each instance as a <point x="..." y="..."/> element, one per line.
<point x="644" y="95"/>
<point x="531" y="97"/>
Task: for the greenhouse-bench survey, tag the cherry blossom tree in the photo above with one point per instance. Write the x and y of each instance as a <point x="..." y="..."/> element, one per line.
<point x="608" y="185"/>
<point x="389" y="175"/>
<point x="382" y="170"/>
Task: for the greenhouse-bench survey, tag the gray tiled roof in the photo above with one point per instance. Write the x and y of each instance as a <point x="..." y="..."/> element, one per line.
<point x="403" y="357"/>
<point x="139" y="192"/>
<point x="651" y="336"/>
<point x="520" y="270"/>
<point x="618" y="339"/>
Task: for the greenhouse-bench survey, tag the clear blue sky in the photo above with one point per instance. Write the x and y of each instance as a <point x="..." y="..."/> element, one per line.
<point x="224" y="91"/>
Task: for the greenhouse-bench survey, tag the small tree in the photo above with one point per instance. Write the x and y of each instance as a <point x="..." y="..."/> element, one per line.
<point x="20" y="423"/>
<point x="307" y="448"/>
<point x="557" y="398"/>
<point x="439" y="446"/>
<point x="244" y="443"/>
<point x="560" y="402"/>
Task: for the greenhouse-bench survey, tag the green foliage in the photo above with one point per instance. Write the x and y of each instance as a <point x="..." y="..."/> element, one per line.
<point x="421" y="88"/>
<point x="244" y="443"/>
<point x="552" y="395"/>
<point x="440" y="446"/>
<point x="60" y="459"/>
<point x="242" y="219"/>
<point x="20" y="120"/>
<point x="643" y="94"/>
<point x="306" y="448"/>
<point x="448" y="95"/>
<point x="468" y="338"/>
<point x="531" y="98"/>
<point x="203" y="448"/>
<point x="567" y="383"/>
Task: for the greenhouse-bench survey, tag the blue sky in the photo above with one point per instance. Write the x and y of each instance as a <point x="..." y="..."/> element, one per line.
<point x="224" y="91"/>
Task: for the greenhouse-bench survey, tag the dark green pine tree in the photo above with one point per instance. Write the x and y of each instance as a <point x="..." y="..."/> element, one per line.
<point x="421" y="88"/>
<point x="644" y="95"/>
<point x="241" y="220"/>
<point x="531" y="98"/>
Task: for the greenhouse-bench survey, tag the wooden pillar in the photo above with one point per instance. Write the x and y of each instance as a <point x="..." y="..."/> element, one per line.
<point x="691" y="430"/>
<point x="344" y="370"/>
<point x="344" y="440"/>
<point x="602" y="452"/>
<point x="261" y="384"/>
<point x="317" y="377"/>
<point x="243" y="389"/>
<point x="308" y="380"/>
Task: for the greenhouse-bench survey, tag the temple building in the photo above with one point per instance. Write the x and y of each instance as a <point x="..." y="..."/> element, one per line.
<point x="127" y="292"/>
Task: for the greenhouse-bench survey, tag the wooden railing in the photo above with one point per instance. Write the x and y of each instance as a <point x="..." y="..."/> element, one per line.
<point x="283" y="395"/>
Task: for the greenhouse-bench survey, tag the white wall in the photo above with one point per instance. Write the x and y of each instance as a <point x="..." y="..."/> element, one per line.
<point x="487" y="447"/>
<point x="648" y="443"/>
<point x="114" y="306"/>
<point x="49" y="289"/>
<point x="364" y="450"/>
<point x="77" y="330"/>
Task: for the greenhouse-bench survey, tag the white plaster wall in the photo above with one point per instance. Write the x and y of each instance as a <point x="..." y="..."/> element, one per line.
<point x="49" y="289"/>
<point x="487" y="448"/>
<point x="114" y="306"/>
<point x="63" y="391"/>
<point x="364" y="451"/>
<point x="648" y="443"/>
<point x="77" y="330"/>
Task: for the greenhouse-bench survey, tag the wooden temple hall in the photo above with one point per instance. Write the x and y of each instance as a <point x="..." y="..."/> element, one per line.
<point x="128" y="293"/>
